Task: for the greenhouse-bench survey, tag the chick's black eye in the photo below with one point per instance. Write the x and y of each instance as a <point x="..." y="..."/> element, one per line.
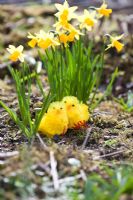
<point x="61" y="108"/>
<point x="73" y="105"/>
<point x="64" y="101"/>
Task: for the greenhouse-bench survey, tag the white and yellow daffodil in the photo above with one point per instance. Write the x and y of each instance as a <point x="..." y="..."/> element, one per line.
<point x="88" y="20"/>
<point x="65" y="12"/>
<point x="33" y="40"/>
<point x="115" y="43"/>
<point x="103" y="11"/>
<point x="74" y="34"/>
<point x="46" y="40"/>
<point x="16" y="53"/>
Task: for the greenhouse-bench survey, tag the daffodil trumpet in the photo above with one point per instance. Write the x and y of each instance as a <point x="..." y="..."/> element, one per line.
<point x="115" y="42"/>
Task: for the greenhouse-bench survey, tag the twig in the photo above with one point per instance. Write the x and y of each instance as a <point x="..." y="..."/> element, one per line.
<point x="84" y="177"/>
<point x="45" y="167"/>
<point x="8" y="154"/>
<point x="42" y="142"/>
<point x="2" y="116"/>
<point x="54" y="172"/>
<point x="102" y="112"/>
<point x="112" y="154"/>
<point x="70" y="179"/>
<point x="67" y="181"/>
<point x="86" y="138"/>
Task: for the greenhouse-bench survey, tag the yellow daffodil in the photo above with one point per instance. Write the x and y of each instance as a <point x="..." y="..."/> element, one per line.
<point x="65" y="13"/>
<point x="62" y="25"/>
<point x="46" y="40"/>
<point x="63" y="38"/>
<point x="69" y="36"/>
<point x="74" y="34"/>
<point x="32" y="43"/>
<point x="115" y="43"/>
<point x="103" y="11"/>
<point x="88" y="20"/>
<point x="16" y="53"/>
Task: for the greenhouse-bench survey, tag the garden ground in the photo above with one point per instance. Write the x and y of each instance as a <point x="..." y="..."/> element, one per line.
<point x="77" y="165"/>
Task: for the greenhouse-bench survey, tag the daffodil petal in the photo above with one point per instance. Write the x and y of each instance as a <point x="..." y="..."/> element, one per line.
<point x="20" y="48"/>
<point x="58" y="6"/>
<point x="21" y="58"/>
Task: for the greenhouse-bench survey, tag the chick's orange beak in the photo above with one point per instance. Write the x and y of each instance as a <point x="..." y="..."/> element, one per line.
<point x="58" y="111"/>
<point x="68" y="107"/>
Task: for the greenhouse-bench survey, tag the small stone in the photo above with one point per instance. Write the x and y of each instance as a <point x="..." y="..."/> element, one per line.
<point x="74" y="162"/>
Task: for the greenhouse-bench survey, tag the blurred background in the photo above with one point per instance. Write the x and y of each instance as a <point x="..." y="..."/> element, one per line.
<point x="18" y="17"/>
<point x="116" y="4"/>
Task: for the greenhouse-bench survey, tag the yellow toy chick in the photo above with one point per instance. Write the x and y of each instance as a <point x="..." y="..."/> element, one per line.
<point x="77" y="112"/>
<point x="55" y="121"/>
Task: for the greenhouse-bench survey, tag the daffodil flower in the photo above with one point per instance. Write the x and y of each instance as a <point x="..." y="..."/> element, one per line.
<point x="65" y="13"/>
<point x="63" y="38"/>
<point x="69" y="36"/>
<point x="62" y="25"/>
<point x="74" y="34"/>
<point x="88" y="20"/>
<point x="103" y="11"/>
<point x="115" y="43"/>
<point x="32" y="43"/>
<point x="16" y="53"/>
<point x="46" y="40"/>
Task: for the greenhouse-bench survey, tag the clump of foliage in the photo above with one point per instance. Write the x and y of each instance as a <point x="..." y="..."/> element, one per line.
<point x="118" y="182"/>
<point x="127" y="105"/>
<point x="23" y="89"/>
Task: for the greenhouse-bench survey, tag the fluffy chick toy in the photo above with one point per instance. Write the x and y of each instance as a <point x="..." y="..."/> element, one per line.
<point x="55" y="121"/>
<point x="77" y="112"/>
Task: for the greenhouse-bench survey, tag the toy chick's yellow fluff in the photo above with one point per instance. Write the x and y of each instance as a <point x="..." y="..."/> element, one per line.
<point x="55" y="121"/>
<point x="78" y="113"/>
